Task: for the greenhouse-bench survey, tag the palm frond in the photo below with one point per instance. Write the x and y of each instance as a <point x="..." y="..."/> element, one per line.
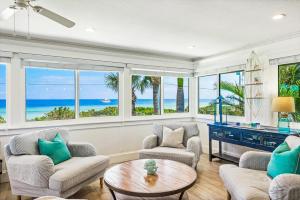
<point x="112" y="81"/>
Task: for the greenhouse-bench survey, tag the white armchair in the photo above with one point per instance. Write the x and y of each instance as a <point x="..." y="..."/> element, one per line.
<point x="34" y="175"/>
<point x="189" y="155"/>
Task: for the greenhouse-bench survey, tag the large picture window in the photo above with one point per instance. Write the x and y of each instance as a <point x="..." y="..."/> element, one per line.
<point x="289" y="85"/>
<point x="98" y="93"/>
<point x="176" y="95"/>
<point x="2" y="93"/>
<point x="207" y="93"/>
<point x="145" y="95"/>
<point x="232" y="89"/>
<point x="50" y="94"/>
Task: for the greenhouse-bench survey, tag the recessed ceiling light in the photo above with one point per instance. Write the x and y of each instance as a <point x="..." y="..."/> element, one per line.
<point x="90" y="29"/>
<point x="192" y="46"/>
<point x="279" y="16"/>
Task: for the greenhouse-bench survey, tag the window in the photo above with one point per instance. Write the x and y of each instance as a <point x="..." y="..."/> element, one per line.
<point x="98" y="93"/>
<point x="176" y="95"/>
<point x="207" y="93"/>
<point x="232" y="89"/>
<point x="145" y="95"/>
<point x="50" y="94"/>
<point x="2" y="93"/>
<point x="289" y="85"/>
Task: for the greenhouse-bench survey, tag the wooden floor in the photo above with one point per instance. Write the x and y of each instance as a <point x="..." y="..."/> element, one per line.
<point x="208" y="186"/>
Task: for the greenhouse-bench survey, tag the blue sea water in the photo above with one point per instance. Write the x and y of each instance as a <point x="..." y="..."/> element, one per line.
<point x="38" y="107"/>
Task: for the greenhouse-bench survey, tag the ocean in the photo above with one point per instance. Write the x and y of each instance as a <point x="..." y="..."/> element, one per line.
<point x="37" y="107"/>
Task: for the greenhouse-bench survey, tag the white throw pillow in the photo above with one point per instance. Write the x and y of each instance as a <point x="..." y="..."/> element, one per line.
<point x="172" y="138"/>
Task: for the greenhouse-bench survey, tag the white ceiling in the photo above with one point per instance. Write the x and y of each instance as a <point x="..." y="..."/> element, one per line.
<point x="164" y="26"/>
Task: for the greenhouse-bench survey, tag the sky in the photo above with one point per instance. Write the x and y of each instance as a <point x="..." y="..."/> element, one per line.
<point x="60" y="84"/>
<point x="2" y="81"/>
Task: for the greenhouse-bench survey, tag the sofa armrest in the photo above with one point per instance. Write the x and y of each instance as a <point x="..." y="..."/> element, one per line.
<point x="194" y="145"/>
<point x="81" y="149"/>
<point x="150" y="142"/>
<point x="255" y="160"/>
<point x="285" y="186"/>
<point x="34" y="170"/>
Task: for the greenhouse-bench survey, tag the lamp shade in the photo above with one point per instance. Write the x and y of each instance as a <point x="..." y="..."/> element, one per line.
<point x="283" y="104"/>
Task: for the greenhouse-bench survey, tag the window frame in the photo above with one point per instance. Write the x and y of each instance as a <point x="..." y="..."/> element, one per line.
<point x="77" y="120"/>
<point x="7" y="115"/>
<point x="293" y="124"/>
<point x="211" y="117"/>
<point x="78" y="94"/>
<point x="162" y="115"/>
<point x="163" y="95"/>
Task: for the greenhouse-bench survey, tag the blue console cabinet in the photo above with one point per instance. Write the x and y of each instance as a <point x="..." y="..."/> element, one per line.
<point x="265" y="138"/>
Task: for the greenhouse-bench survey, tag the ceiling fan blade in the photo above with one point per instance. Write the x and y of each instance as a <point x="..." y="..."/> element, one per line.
<point x="7" y="13"/>
<point x="53" y="16"/>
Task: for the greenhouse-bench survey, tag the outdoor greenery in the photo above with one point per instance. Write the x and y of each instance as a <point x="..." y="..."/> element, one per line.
<point x="61" y="113"/>
<point x="289" y="85"/>
<point x="2" y="120"/>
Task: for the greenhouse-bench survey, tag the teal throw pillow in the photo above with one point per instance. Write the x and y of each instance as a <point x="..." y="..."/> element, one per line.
<point x="56" y="149"/>
<point x="284" y="160"/>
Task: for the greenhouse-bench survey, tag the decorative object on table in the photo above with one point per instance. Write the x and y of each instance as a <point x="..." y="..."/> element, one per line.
<point x="219" y="104"/>
<point x="284" y="106"/>
<point x="150" y="166"/>
<point x="254" y="86"/>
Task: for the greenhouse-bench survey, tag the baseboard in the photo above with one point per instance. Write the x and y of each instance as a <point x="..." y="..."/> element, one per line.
<point x="122" y="157"/>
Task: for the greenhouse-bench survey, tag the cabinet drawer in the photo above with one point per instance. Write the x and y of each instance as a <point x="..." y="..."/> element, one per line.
<point x="252" y="138"/>
<point x="232" y="134"/>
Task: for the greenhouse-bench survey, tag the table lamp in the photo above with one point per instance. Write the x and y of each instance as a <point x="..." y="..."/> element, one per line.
<point x="284" y="106"/>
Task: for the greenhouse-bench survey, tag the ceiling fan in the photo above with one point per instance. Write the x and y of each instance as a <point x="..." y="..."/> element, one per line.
<point x="27" y="4"/>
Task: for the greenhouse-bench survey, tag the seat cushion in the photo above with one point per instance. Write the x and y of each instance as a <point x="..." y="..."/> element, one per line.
<point x="179" y="155"/>
<point x="76" y="170"/>
<point x="245" y="184"/>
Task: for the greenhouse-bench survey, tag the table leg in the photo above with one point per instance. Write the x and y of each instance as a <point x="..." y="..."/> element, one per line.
<point x="113" y="194"/>
<point x="181" y="195"/>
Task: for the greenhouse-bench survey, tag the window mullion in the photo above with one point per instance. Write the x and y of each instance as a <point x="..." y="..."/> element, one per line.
<point x="77" y="93"/>
<point x="162" y="95"/>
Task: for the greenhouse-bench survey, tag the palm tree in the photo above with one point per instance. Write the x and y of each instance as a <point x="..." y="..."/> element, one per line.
<point x="180" y="95"/>
<point x="236" y="98"/>
<point x="155" y="83"/>
<point x="139" y="83"/>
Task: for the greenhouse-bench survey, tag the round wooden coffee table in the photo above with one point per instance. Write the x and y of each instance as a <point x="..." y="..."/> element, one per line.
<point x="130" y="178"/>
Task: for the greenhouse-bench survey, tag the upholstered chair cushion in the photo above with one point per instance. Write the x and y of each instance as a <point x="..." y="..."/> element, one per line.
<point x="190" y="130"/>
<point x="172" y="138"/>
<point x="72" y="172"/>
<point x="176" y="154"/>
<point x="245" y="184"/>
<point x="26" y="144"/>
